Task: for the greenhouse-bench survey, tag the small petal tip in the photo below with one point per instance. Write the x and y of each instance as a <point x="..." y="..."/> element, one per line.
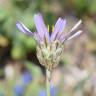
<point x="23" y="28"/>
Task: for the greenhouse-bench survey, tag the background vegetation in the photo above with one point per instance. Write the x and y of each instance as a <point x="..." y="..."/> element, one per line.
<point x="20" y="71"/>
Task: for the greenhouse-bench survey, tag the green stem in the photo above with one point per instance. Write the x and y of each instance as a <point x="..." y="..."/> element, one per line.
<point x="48" y="77"/>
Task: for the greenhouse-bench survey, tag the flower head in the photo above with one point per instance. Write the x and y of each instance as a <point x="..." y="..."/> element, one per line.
<point x="50" y="47"/>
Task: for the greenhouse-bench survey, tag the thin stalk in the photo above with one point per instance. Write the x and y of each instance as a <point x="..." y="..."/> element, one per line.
<point x="48" y="77"/>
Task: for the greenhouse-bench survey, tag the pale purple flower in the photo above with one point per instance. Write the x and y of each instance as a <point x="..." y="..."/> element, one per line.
<point x="50" y="47"/>
<point x="26" y="77"/>
<point x="19" y="90"/>
<point x="42" y="32"/>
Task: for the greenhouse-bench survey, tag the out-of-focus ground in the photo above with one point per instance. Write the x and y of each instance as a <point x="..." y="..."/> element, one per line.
<point x="20" y="71"/>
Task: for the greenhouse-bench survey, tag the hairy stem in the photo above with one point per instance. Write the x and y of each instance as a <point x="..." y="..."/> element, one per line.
<point x="48" y="77"/>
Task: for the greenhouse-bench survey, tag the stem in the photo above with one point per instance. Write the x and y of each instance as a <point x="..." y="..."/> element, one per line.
<point x="48" y="77"/>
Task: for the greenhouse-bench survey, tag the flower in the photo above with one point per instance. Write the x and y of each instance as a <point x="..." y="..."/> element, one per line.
<point x="27" y="77"/>
<point x="50" y="48"/>
<point x="19" y="90"/>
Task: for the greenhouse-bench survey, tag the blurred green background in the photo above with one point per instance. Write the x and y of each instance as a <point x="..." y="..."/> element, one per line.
<point x="20" y="71"/>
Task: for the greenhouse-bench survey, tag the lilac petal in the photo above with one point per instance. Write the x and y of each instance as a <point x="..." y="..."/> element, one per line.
<point x="75" y="35"/>
<point x="71" y="33"/>
<point x="68" y="36"/>
<point x="37" y="37"/>
<point x="62" y="28"/>
<point x="23" y="28"/>
<point x="76" y="25"/>
<point x="40" y="26"/>
<point x="59" y="27"/>
<point x="56" y="29"/>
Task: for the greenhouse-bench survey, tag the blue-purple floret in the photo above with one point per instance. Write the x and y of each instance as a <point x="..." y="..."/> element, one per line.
<point x="23" y="28"/>
<point x="42" y="33"/>
<point x="58" y="29"/>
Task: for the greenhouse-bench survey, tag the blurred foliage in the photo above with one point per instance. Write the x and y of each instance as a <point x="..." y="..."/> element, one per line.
<point x="16" y="46"/>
